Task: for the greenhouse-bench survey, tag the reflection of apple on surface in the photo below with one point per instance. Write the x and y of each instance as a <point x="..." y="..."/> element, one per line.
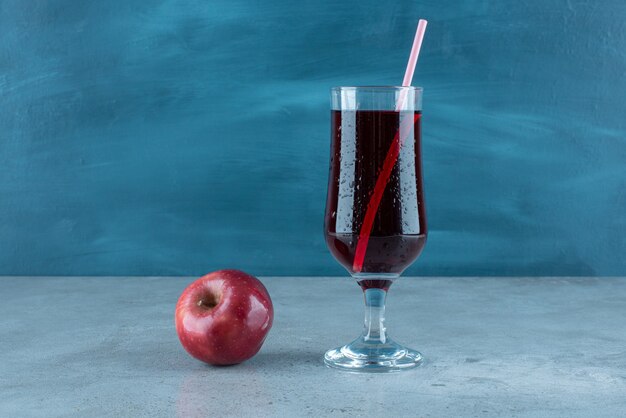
<point x="223" y="318"/>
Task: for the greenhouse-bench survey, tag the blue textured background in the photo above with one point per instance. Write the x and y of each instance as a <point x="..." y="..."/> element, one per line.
<point x="177" y="137"/>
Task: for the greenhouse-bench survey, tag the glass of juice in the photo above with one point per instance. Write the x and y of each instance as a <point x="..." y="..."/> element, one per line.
<point x="375" y="220"/>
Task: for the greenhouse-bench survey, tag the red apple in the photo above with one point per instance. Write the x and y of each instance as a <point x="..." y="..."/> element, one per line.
<point x="223" y="318"/>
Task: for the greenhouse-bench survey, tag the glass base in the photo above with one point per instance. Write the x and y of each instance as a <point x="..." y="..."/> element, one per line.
<point x="372" y="357"/>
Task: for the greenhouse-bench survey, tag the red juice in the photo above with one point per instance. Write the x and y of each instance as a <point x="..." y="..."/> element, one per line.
<point x="360" y="142"/>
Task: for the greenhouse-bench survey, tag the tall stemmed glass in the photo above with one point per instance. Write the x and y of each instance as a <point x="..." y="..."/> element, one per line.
<point x="375" y="221"/>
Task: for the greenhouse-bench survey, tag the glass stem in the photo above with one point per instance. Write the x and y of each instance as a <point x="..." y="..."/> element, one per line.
<point x="375" y="331"/>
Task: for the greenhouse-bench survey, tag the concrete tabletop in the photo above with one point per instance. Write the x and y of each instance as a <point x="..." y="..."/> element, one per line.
<point x="107" y="347"/>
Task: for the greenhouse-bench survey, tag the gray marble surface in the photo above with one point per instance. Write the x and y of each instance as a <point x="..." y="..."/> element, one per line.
<point x="497" y="347"/>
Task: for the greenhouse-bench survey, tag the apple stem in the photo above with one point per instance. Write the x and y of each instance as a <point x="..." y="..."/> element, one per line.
<point x="375" y="330"/>
<point x="208" y="302"/>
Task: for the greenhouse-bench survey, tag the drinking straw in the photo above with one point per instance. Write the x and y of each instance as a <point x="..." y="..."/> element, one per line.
<point x="392" y="154"/>
<point x="415" y="51"/>
<point x="410" y="66"/>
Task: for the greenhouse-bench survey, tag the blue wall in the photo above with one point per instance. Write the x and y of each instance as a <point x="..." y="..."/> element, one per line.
<point x="177" y="137"/>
